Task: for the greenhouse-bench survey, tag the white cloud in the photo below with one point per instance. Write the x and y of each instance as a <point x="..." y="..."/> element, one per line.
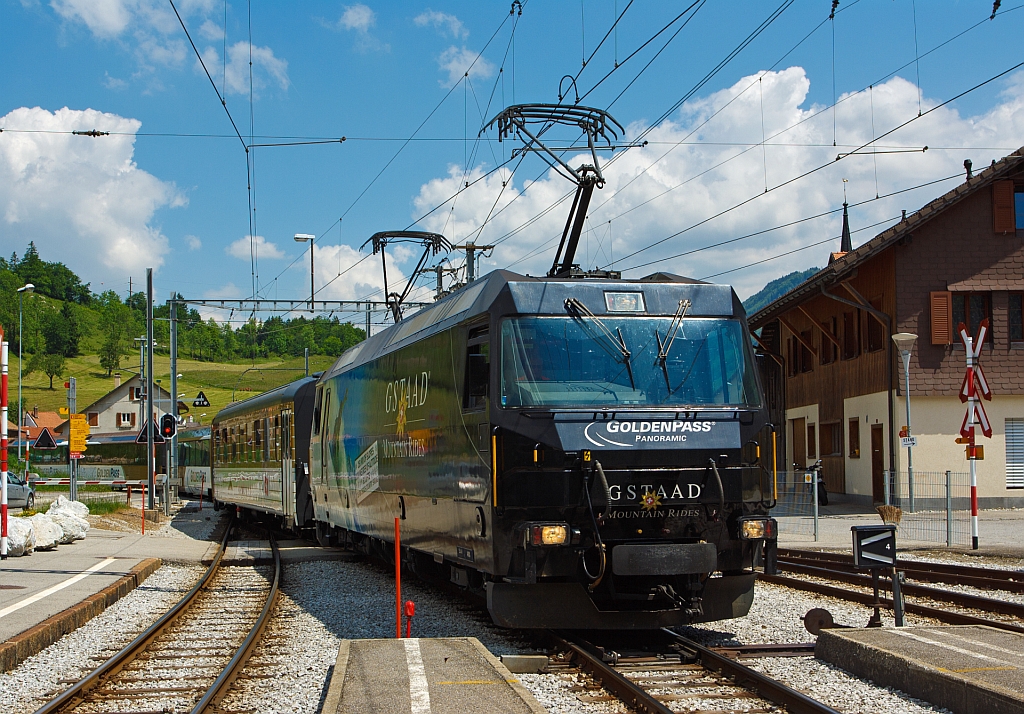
<point x="210" y="30"/>
<point x="647" y="199"/>
<point x="456" y="61"/>
<point x="113" y="82"/>
<point x="357" y="17"/>
<point x="83" y="200"/>
<point x="105" y="18"/>
<point x="266" y="67"/>
<point x="264" y="249"/>
<point x="193" y="242"/>
<point x="358" y="282"/>
<point x="443" y="22"/>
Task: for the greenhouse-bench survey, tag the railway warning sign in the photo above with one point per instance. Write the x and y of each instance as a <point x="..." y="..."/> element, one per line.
<point x="158" y="438"/>
<point x="200" y="400"/>
<point x="45" y="440"/>
<point x="874" y="546"/>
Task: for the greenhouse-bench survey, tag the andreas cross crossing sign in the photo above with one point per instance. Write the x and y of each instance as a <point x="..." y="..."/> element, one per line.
<point x="974" y="383"/>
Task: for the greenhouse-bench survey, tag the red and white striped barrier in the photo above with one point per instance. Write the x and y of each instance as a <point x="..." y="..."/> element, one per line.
<point x="67" y="481"/>
<point x="3" y="446"/>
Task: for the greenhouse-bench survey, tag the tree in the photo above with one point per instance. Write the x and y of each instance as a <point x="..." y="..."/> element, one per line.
<point x="52" y="365"/>
<point x="118" y="325"/>
<point x="62" y="331"/>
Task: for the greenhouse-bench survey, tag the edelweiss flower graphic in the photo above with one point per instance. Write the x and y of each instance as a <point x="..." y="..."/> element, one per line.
<point x="650" y="500"/>
<point x="403" y="403"/>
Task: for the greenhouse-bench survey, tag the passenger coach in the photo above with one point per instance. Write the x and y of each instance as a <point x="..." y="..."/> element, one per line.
<point x="261" y="451"/>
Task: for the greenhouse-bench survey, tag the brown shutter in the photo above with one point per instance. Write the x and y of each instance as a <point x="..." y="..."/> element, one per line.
<point x="133" y="419"/>
<point x="942" y="317"/>
<point x="1003" y="220"/>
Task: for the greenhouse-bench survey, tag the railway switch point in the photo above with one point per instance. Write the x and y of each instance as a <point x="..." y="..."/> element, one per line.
<point x="452" y="674"/>
<point x="968" y="669"/>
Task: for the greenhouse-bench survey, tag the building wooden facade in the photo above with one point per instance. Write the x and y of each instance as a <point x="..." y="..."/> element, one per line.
<point x="958" y="259"/>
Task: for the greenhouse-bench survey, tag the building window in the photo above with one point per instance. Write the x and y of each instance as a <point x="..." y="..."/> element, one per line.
<point x="1015" y="453"/>
<point x="876" y="334"/>
<point x="832" y="439"/>
<point x="806" y="357"/>
<point x="829" y="351"/>
<point x="970" y="309"/>
<point x="125" y="420"/>
<point x="792" y="356"/>
<point x="851" y="334"/>
<point x="1016" y="326"/>
<point x="1018" y="205"/>
<point x="811" y="442"/>
<point x="854" y="438"/>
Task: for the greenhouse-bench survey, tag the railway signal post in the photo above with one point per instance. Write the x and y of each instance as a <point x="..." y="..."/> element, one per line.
<point x="974" y="380"/>
<point x="3" y="446"/>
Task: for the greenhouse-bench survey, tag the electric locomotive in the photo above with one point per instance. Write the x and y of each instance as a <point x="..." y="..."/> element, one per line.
<point x="587" y="453"/>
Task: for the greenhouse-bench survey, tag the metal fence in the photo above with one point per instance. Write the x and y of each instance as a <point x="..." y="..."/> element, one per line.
<point x="796" y="508"/>
<point x="934" y="506"/>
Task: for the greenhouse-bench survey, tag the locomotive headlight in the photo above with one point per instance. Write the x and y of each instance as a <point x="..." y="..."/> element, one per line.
<point x="758" y="528"/>
<point x="549" y="535"/>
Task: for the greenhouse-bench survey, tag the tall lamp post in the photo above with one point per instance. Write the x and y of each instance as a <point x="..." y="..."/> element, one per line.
<point x="27" y="288"/>
<point x="302" y="238"/>
<point x="905" y="343"/>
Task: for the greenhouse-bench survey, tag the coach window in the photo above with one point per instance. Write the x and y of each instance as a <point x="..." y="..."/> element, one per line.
<point x="478" y="369"/>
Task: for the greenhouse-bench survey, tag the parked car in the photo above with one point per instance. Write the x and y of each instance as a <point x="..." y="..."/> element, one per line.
<point x="19" y="493"/>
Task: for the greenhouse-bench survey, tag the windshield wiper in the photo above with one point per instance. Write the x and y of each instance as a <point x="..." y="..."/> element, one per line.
<point x="574" y="305"/>
<point x="670" y="338"/>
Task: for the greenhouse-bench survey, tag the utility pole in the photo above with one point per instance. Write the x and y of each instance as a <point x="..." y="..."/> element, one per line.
<point x="439" y="271"/>
<point x="471" y="254"/>
<point x="150" y="446"/>
<point x="367" y="319"/>
<point x="172" y="445"/>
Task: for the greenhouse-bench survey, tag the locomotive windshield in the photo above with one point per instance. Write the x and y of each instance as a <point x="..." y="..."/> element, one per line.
<point x="568" y="362"/>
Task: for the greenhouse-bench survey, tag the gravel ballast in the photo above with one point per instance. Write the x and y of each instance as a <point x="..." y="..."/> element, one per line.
<point x="37" y="679"/>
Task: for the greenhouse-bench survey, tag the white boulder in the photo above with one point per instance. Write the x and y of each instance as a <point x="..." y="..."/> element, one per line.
<point x="75" y="507"/>
<point x="20" y="536"/>
<point x="48" y="534"/>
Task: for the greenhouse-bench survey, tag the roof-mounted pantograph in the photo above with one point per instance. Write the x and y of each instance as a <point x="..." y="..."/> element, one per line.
<point x="433" y="243"/>
<point x="529" y="122"/>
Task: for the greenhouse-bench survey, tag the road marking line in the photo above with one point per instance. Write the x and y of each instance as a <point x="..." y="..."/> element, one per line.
<point x="960" y="650"/>
<point x="419" y="691"/>
<point x="986" y="645"/>
<point x="56" y="588"/>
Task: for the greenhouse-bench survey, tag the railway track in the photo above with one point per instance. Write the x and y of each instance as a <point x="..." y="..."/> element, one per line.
<point x="688" y="673"/>
<point x="929" y="601"/>
<point x="188" y="659"/>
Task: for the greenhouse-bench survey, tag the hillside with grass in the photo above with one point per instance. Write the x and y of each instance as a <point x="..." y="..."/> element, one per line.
<point x="776" y="289"/>
<point x="70" y="331"/>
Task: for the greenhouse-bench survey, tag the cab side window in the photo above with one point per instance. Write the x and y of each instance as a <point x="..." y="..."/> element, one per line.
<point x="478" y="369"/>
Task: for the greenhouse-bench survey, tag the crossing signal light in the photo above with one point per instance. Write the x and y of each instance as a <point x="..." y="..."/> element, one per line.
<point x="168" y="426"/>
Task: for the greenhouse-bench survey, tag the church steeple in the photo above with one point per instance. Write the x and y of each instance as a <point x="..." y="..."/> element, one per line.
<point x="847" y="245"/>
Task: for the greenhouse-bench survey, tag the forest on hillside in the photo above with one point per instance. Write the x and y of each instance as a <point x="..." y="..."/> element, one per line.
<point x="63" y="318"/>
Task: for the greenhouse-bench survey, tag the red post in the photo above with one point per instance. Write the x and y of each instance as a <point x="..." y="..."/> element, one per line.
<point x="3" y="446"/>
<point x="410" y="610"/>
<point x="143" y="506"/>
<point x="129" y="487"/>
<point x="398" y="580"/>
<point x="202" y="487"/>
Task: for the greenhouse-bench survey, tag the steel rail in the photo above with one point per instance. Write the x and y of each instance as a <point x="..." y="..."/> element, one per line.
<point x="223" y="683"/>
<point x="74" y="695"/>
<point x="771" y="689"/>
<point x="953" y="618"/>
<point x="976" y="602"/>
<point x="627" y="691"/>
<point x="991" y="578"/>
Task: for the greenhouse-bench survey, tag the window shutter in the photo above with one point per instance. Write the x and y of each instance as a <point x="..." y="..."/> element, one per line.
<point x="1015" y="453"/>
<point x="942" y="317"/>
<point x="133" y="419"/>
<point x="1003" y="220"/>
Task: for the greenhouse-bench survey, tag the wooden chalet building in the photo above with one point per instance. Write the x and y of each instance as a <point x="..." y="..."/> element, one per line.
<point x="836" y="378"/>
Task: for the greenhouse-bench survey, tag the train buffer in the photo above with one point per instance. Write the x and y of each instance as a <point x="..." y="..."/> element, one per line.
<point x="451" y="674"/>
<point x="968" y="669"/>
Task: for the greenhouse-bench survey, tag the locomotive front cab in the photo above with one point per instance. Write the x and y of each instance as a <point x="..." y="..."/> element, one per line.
<point x="630" y="489"/>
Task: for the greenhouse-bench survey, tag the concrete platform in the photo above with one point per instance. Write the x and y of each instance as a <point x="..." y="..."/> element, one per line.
<point x="968" y="669"/>
<point x="423" y="676"/>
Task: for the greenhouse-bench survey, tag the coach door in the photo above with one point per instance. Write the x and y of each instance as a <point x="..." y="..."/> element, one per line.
<point x="280" y="445"/>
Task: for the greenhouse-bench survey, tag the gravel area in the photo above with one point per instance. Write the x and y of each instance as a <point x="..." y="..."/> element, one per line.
<point x="558" y="693"/>
<point x="191" y="523"/>
<point x="37" y="679"/>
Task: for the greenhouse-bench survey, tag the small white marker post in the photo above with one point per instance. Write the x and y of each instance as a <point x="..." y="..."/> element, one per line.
<point x="3" y="446"/>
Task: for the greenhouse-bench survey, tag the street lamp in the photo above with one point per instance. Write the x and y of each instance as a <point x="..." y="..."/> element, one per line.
<point x="302" y="238"/>
<point x="27" y="288"/>
<point x="905" y="343"/>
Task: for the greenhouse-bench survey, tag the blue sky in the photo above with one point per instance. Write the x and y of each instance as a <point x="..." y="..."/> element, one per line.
<point x="167" y="188"/>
